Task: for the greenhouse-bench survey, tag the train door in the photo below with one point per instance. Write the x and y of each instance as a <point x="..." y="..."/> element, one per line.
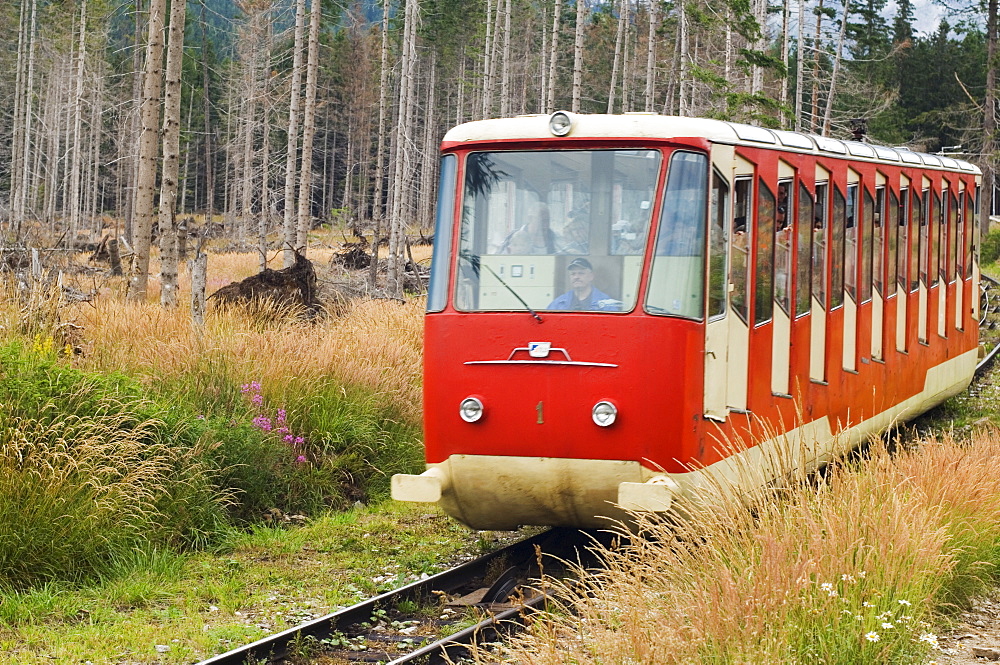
<point x="904" y="265"/>
<point x="939" y="261"/>
<point x="974" y="239"/>
<point x="852" y="241"/>
<point x="740" y="243"/>
<point x="782" y="317"/>
<point x="879" y="229"/>
<point x="921" y="205"/>
<point x="820" y="262"/>
<point x="717" y="325"/>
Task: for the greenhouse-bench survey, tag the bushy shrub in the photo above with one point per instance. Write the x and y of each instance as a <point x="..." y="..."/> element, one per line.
<point x="989" y="251"/>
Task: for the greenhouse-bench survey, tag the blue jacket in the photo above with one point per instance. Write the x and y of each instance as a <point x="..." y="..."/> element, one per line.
<point x="599" y="301"/>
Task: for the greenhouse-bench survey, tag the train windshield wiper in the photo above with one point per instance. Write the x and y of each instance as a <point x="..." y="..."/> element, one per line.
<point x="515" y="293"/>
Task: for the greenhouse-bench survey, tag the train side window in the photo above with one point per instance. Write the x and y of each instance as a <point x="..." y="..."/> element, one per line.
<point x="717" y="225"/>
<point x="820" y="221"/>
<point x="784" y="220"/>
<point x="878" y="241"/>
<point x="437" y="290"/>
<point x="897" y="239"/>
<point x="804" y="231"/>
<point x="919" y="258"/>
<point x="677" y="274"/>
<point x="764" y="284"/>
<point x="851" y="240"/>
<point x="866" y="231"/>
<point x="971" y="206"/>
<point x="952" y="252"/>
<point x="837" y="242"/>
<point x="937" y="224"/>
<point x="960" y="236"/>
<point x="739" y="247"/>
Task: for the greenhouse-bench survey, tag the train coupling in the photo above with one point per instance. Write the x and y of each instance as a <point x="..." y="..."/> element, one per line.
<point x="655" y="495"/>
<point x="424" y="488"/>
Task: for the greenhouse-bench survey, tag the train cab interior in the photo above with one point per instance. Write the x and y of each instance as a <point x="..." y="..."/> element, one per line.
<point x="527" y="216"/>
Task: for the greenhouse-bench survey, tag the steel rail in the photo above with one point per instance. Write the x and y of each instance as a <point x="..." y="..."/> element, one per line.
<point x="554" y="542"/>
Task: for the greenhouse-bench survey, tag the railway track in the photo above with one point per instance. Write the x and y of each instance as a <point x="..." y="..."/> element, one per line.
<point x="434" y="620"/>
<point x="989" y="321"/>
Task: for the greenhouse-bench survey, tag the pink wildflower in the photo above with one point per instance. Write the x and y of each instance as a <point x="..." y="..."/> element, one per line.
<point x="301" y="459"/>
<point x="257" y="399"/>
<point x="299" y="440"/>
<point x="289" y="438"/>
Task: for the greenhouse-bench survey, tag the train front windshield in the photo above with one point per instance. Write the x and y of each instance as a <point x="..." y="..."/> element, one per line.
<point x="555" y="230"/>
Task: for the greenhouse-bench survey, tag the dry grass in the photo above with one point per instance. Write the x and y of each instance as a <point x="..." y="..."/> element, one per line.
<point x="375" y="345"/>
<point x="850" y="570"/>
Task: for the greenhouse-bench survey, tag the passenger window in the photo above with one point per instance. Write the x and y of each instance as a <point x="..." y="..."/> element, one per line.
<point x="764" y="292"/>
<point x="868" y="212"/>
<point x="920" y="222"/>
<point x="937" y="224"/>
<point x="960" y="236"/>
<point x="897" y="239"/>
<point x="971" y="203"/>
<point x="804" y="230"/>
<point x="820" y="222"/>
<point x="739" y="248"/>
<point x="837" y="249"/>
<point x="851" y="239"/>
<point x="718" y="218"/>
<point x="783" y="222"/>
<point x="952" y="261"/>
<point x="878" y="241"/>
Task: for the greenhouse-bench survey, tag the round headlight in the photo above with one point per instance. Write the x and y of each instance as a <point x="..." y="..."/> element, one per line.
<point x="604" y="414"/>
<point x="560" y="123"/>
<point x="471" y="409"/>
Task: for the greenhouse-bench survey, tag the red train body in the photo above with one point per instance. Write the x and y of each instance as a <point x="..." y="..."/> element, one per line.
<point x="754" y="294"/>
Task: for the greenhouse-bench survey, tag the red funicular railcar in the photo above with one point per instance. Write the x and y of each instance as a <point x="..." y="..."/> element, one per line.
<point x="617" y="298"/>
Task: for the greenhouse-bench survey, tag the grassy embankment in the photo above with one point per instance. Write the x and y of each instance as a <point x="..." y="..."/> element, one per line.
<point x="137" y="475"/>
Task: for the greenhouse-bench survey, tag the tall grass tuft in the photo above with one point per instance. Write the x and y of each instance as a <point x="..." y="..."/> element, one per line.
<point x="853" y="568"/>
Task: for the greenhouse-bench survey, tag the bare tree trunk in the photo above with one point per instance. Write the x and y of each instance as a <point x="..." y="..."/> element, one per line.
<point x="136" y="125"/>
<point x="20" y="207"/>
<point x="814" y="119"/>
<point x="487" y="97"/>
<point x="785" y="22"/>
<point x="308" y="130"/>
<point x="291" y="230"/>
<point x="618" y="56"/>
<point x="148" y="152"/>
<point x="550" y="105"/>
<point x="383" y="102"/>
<point x="171" y="156"/>
<point x="77" y="165"/>
<point x="650" y="58"/>
<point x="800" y="66"/>
<point x="209" y="153"/>
<point x="989" y="121"/>
<point x="403" y="139"/>
<point x="684" y="56"/>
<point x="836" y="69"/>
<point x="505" y="72"/>
<point x="20" y="93"/>
<point x="578" y="57"/>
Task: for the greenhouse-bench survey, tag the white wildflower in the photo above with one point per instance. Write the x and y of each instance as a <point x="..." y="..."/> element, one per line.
<point x="872" y="636"/>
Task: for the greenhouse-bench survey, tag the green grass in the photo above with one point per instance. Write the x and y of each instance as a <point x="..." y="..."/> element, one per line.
<point x="205" y="603"/>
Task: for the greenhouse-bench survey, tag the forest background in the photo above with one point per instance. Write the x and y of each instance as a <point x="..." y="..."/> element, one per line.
<point x="280" y="115"/>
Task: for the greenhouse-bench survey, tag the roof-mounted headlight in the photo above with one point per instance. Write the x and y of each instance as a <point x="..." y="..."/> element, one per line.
<point x="560" y="123"/>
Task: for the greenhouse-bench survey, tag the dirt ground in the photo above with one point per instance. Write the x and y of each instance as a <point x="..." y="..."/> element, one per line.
<point x="975" y="638"/>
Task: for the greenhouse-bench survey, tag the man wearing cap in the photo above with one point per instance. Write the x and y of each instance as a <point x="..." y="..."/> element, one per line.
<point x="584" y="295"/>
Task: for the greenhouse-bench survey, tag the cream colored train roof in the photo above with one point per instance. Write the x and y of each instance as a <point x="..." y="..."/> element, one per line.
<point x="652" y="125"/>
